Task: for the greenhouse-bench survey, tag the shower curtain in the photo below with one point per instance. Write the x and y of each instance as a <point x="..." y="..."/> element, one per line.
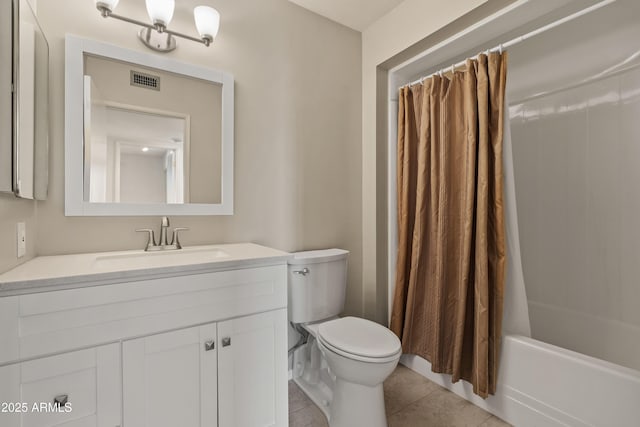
<point x="451" y="260"/>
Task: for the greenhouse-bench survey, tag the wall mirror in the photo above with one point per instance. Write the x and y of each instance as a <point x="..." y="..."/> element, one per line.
<point x="24" y="101"/>
<point x="145" y="135"/>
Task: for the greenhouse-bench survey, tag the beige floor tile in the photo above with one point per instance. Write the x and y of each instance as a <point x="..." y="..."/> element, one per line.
<point x="309" y="416"/>
<point x="404" y="387"/>
<point x="440" y="408"/>
<point x="297" y="399"/>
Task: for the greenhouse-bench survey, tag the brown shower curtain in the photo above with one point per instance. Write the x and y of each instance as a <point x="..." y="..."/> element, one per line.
<point x="450" y="269"/>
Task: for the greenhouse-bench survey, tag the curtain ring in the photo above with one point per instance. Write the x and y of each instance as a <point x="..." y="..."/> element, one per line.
<point x="453" y="69"/>
<point x="500" y="48"/>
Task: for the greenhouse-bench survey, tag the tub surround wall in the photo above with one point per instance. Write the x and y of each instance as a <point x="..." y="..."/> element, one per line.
<point x="576" y="157"/>
<point x="580" y="253"/>
<point x="298" y="113"/>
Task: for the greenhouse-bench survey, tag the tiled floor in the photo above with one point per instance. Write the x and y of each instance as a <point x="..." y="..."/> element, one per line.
<point x="411" y="401"/>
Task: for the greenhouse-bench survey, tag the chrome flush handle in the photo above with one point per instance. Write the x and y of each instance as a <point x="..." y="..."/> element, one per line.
<point x="302" y="272"/>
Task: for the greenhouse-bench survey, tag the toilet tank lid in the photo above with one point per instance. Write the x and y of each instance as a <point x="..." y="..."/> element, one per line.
<point x="313" y="257"/>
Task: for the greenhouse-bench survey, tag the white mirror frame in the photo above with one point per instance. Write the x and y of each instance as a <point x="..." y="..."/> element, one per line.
<point x="75" y="205"/>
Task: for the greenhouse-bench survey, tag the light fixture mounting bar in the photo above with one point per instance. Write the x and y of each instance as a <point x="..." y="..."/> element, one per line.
<point x="106" y="13"/>
<point x="205" y="40"/>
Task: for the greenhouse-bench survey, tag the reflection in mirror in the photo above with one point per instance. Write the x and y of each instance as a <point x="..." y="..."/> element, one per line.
<point x="145" y="134"/>
<point x="138" y="125"/>
<point x="132" y="155"/>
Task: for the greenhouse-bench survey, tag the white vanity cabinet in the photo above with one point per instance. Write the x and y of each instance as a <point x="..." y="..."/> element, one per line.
<point x="170" y="379"/>
<point x="202" y="347"/>
<point x="224" y="374"/>
<point x="85" y="384"/>
<point x="252" y="357"/>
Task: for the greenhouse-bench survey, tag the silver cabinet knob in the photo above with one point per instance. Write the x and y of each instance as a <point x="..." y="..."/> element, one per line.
<point x="61" y="400"/>
<point x="209" y="345"/>
<point x="302" y="272"/>
<point x="226" y="341"/>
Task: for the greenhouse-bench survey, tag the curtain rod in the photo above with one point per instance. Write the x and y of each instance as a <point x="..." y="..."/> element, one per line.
<point x="522" y="38"/>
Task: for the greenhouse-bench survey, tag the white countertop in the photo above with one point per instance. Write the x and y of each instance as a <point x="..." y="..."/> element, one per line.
<point x="49" y="273"/>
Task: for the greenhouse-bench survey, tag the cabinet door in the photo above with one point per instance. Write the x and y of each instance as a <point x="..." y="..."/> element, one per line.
<point x="88" y="380"/>
<point x="170" y="379"/>
<point x="252" y="370"/>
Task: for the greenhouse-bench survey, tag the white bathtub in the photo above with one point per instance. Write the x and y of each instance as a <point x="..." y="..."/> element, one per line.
<point x="543" y="385"/>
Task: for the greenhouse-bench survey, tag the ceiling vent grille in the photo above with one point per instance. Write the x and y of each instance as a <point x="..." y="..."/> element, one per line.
<point x="146" y="81"/>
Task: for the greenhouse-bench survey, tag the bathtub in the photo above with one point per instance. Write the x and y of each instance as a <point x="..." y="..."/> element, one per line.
<point x="543" y="385"/>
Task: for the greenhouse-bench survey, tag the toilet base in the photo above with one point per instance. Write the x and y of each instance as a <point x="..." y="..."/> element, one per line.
<point x="311" y="374"/>
<point x="320" y="395"/>
<point x="357" y="405"/>
<point x="344" y="403"/>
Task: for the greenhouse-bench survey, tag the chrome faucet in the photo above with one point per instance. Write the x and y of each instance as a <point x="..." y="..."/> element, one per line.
<point x="163" y="244"/>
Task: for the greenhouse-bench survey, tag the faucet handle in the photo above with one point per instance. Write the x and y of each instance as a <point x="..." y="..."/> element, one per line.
<point x="151" y="239"/>
<point x="175" y="240"/>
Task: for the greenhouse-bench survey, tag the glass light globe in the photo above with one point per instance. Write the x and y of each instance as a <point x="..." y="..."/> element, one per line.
<point x="160" y="11"/>
<point x="207" y="21"/>
<point x="109" y="4"/>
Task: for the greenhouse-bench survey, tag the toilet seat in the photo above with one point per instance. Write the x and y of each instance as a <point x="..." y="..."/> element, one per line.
<point x="359" y="339"/>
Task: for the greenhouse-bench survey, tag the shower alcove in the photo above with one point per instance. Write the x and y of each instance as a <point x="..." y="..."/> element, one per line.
<point x="571" y="333"/>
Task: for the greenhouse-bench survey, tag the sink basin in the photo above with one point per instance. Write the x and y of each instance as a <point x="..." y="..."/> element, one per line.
<point x="140" y="259"/>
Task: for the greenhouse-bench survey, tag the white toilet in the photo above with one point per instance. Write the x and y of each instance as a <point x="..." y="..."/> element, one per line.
<point x="344" y="361"/>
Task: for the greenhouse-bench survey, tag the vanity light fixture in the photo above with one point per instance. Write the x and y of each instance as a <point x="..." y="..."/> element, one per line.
<point x="156" y="35"/>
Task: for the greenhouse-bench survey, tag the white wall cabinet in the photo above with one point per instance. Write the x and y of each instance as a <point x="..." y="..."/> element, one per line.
<point x="89" y="380"/>
<point x="199" y="350"/>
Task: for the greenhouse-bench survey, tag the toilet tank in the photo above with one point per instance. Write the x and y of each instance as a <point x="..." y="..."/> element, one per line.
<point x="317" y="282"/>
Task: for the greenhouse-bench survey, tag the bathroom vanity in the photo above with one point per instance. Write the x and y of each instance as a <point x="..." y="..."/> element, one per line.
<point x="196" y="337"/>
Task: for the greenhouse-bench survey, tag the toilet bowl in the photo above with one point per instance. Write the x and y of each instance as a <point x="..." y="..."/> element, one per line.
<point x="345" y="360"/>
<point x="361" y="354"/>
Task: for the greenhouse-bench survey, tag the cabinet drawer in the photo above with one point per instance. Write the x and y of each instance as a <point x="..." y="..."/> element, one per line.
<point x="64" y="320"/>
<point x="88" y="380"/>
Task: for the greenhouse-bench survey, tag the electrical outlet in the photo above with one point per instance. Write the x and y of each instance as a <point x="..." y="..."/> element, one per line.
<point x="21" y="238"/>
